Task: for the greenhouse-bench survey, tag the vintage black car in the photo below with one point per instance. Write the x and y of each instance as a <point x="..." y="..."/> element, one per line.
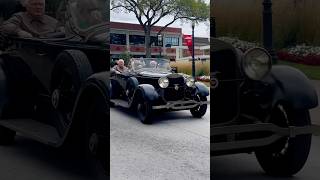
<point x="55" y="89"/>
<point x="260" y="108"/>
<point x="150" y="84"/>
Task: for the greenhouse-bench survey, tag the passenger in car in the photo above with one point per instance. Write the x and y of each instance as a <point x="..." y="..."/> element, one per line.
<point x="120" y="67"/>
<point x="32" y="23"/>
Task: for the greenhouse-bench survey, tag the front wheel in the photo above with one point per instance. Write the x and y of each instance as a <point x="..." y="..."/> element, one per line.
<point x="144" y="110"/>
<point x="286" y="156"/>
<point x="200" y="110"/>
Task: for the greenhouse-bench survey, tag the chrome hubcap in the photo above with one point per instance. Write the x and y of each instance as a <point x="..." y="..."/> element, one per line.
<point x="55" y="98"/>
<point x="93" y="143"/>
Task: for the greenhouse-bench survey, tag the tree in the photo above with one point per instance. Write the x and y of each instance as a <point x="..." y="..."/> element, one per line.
<point x="150" y="12"/>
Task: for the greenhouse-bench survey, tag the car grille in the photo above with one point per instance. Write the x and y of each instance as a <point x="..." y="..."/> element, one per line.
<point x="170" y="93"/>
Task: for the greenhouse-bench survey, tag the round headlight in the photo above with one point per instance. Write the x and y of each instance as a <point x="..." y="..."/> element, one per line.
<point x="163" y="82"/>
<point x="190" y="81"/>
<point x="256" y="63"/>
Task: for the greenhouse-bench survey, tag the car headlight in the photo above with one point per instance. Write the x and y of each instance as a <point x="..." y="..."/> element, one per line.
<point x="190" y="81"/>
<point x="256" y="63"/>
<point x="163" y="82"/>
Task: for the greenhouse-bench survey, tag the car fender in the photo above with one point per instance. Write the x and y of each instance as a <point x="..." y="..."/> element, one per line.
<point x="293" y="87"/>
<point x="147" y="91"/>
<point x="202" y="89"/>
<point x="133" y="82"/>
<point x="96" y="85"/>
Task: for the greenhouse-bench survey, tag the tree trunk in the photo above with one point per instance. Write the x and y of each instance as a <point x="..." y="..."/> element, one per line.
<point x="148" y="44"/>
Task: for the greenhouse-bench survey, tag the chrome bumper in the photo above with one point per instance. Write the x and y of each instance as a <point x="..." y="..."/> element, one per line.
<point x="180" y="105"/>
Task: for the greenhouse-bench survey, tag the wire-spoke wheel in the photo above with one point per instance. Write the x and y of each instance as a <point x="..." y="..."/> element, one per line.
<point x="200" y="110"/>
<point x="286" y="156"/>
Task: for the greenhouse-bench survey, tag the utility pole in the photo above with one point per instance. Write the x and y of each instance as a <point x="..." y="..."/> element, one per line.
<point x="267" y="29"/>
<point x="193" y="59"/>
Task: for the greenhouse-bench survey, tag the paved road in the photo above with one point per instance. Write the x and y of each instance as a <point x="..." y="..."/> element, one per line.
<point x="245" y="166"/>
<point x="176" y="146"/>
<point x="30" y="160"/>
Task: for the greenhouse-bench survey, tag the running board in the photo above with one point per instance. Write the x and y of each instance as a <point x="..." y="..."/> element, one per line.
<point x="119" y="102"/>
<point x="33" y="129"/>
<point x="279" y="132"/>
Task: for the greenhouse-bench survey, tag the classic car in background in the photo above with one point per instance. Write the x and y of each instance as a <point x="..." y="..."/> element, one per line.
<point x="55" y="89"/>
<point x="151" y="85"/>
<point x="260" y="108"/>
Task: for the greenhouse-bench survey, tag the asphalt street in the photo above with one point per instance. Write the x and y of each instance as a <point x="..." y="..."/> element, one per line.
<point x="30" y="160"/>
<point x="175" y="146"/>
<point x="245" y="166"/>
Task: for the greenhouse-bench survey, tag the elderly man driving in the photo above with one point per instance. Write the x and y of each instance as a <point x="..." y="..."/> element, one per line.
<point x="120" y="67"/>
<point x="32" y="23"/>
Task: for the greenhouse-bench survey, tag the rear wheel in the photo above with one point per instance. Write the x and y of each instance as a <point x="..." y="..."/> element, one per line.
<point x="288" y="155"/>
<point x="96" y="133"/>
<point x="201" y="110"/>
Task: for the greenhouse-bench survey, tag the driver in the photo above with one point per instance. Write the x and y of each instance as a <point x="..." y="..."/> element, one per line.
<point x="32" y="23"/>
<point x="153" y="64"/>
<point x="120" y="67"/>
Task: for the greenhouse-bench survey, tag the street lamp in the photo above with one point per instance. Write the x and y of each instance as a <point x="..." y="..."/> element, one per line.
<point x="267" y="28"/>
<point x="193" y="59"/>
<point x="160" y="42"/>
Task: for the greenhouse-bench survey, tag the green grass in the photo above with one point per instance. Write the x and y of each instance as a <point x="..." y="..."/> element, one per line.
<point x="313" y="72"/>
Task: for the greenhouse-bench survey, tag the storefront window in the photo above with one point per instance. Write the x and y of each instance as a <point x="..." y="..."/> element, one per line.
<point x="173" y="41"/>
<point x="136" y="40"/>
<point x="118" y="39"/>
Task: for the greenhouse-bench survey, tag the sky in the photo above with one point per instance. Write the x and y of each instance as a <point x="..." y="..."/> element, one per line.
<point x="201" y="29"/>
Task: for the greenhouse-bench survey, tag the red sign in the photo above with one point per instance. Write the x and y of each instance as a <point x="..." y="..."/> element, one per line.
<point x="187" y="41"/>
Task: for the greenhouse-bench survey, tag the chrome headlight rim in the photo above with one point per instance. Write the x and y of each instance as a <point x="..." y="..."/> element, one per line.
<point x="190" y="81"/>
<point x="246" y="68"/>
<point x="163" y="82"/>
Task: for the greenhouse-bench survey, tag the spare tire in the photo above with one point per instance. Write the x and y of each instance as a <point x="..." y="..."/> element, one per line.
<point x="71" y="70"/>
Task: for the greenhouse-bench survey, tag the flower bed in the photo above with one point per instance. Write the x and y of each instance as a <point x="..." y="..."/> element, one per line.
<point x="240" y="44"/>
<point x="203" y="78"/>
<point x="302" y="54"/>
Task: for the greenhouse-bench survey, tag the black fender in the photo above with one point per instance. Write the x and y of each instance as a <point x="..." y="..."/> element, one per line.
<point x="132" y="82"/>
<point x="291" y="86"/>
<point x="147" y="92"/>
<point x="131" y="86"/>
<point x="96" y="85"/>
<point x="202" y="89"/>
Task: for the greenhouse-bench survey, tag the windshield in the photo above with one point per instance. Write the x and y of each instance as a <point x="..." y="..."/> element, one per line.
<point x="88" y="13"/>
<point x="150" y="64"/>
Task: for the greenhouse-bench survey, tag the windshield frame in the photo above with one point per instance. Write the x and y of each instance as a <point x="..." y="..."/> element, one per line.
<point x="154" y="69"/>
<point x="85" y="31"/>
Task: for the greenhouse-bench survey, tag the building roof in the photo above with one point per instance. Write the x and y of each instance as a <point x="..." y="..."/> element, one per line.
<point x="138" y="27"/>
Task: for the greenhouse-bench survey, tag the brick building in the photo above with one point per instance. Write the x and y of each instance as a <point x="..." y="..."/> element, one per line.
<point x="126" y="37"/>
